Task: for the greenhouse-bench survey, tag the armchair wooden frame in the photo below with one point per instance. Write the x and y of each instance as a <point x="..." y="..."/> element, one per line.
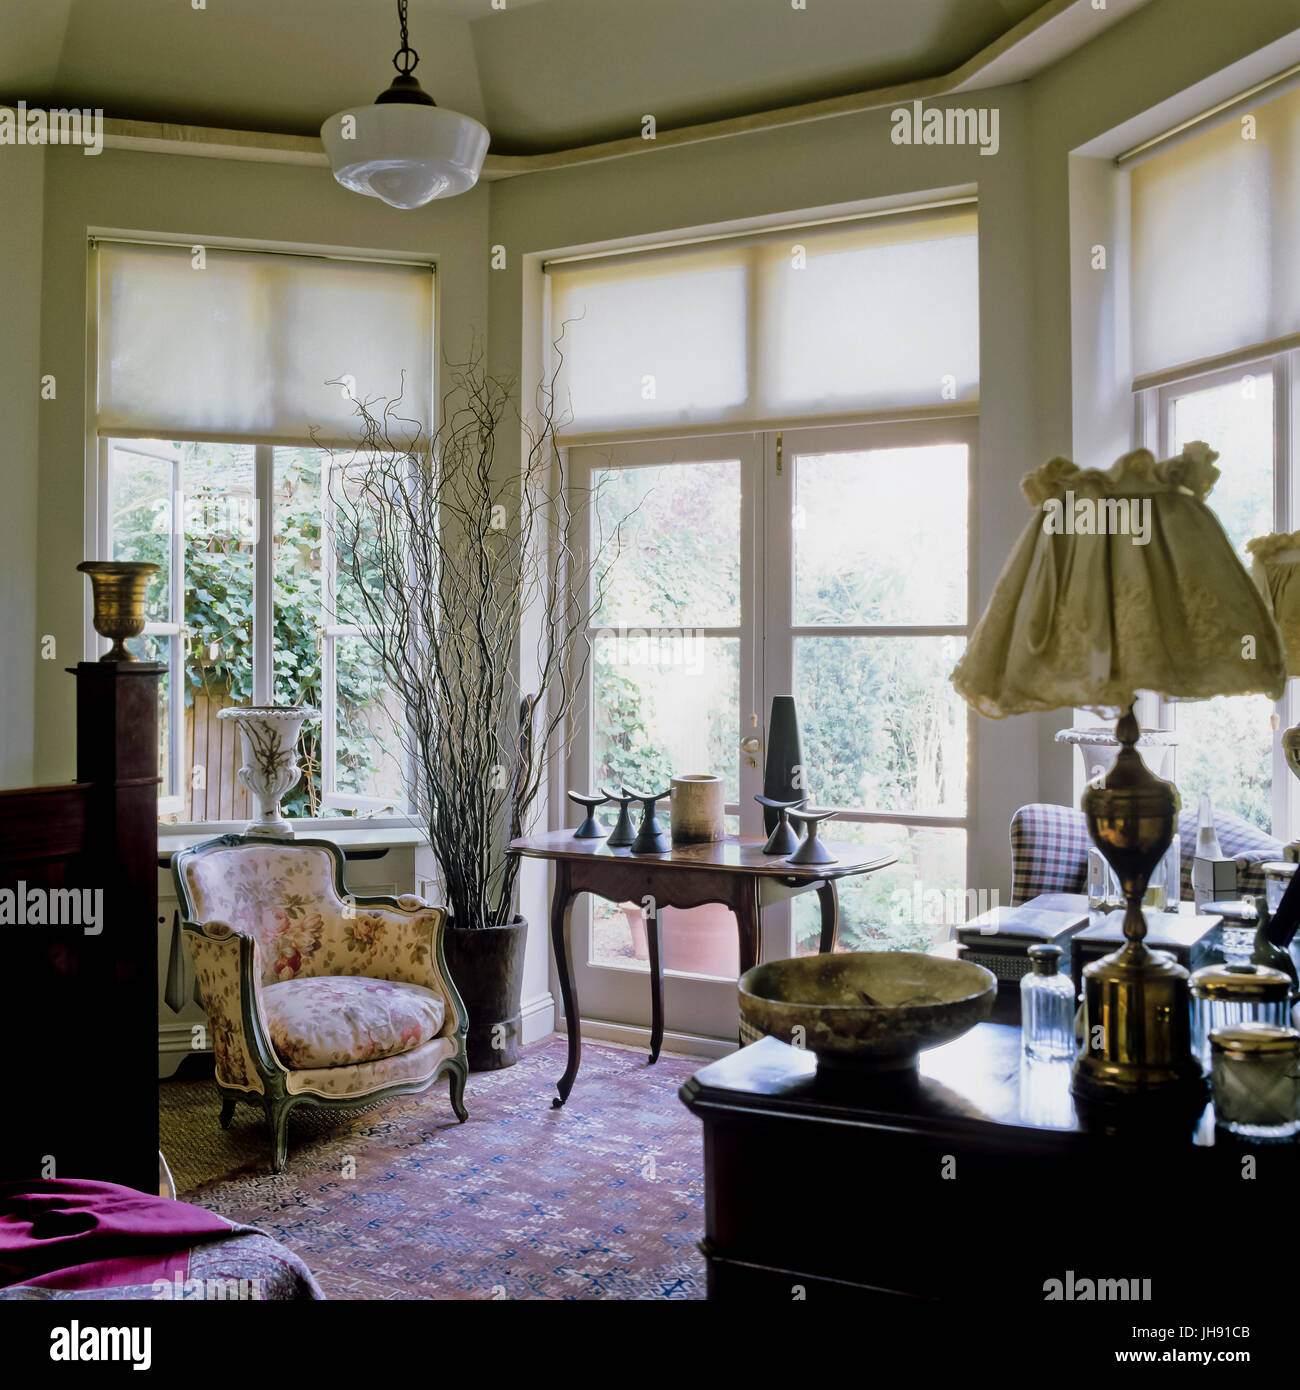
<point x="276" y="1100"/>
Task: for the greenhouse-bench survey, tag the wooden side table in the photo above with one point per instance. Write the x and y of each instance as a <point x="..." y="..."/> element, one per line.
<point x="733" y="872"/>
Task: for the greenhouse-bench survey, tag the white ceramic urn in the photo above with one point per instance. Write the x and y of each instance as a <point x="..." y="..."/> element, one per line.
<point x="269" y="735"/>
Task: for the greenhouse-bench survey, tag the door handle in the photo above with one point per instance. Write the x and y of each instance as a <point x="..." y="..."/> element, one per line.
<point x="751" y="745"/>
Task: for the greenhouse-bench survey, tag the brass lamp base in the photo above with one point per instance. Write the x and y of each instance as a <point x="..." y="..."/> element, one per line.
<point x="1137" y="1044"/>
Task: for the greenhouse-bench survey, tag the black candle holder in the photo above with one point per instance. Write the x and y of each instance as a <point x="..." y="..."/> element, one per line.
<point x="591" y="828"/>
<point x="812" y="851"/>
<point x="651" y="838"/>
<point x="622" y="834"/>
<point x="784" y="839"/>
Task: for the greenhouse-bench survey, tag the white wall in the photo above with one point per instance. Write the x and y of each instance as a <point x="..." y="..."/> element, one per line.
<point x="22" y="182"/>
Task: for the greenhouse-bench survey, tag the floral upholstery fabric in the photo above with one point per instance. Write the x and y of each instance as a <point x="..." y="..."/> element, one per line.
<point x="406" y="1067"/>
<point x="215" y="949"/>
<point x="339" y="1020"/>
<point x="284" y="897"/>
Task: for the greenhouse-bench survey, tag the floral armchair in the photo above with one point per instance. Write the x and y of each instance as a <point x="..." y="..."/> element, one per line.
<point x="313" y="996"/>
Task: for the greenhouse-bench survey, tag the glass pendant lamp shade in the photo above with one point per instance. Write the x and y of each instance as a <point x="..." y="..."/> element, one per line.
<point x="404" y="148"/>
<point x="406" y="153"/>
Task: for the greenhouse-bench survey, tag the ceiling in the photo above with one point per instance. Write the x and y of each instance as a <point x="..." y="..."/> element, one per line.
<point x="542" y="74"/>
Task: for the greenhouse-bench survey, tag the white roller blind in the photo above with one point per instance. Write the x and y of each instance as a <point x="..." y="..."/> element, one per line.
<point x="881" y="315"/>
<point x="867" y="315"/>
<point x="242" y="348"/>
<point x="1216" y="240"/>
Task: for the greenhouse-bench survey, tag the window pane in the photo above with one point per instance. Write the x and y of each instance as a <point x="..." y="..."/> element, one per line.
<point x="664" y="707"/>
<point x="296" y="640"/>
<point x="906" y="907"/>
<point x="1225" y="747"/>
<point x="881" y="726"/>
<point x="367" y="746"/>
<point x="679" y="556"/>
<point x="1236" y="419"/>
<point x="140" y="518"/>
<point x="220" y="518"/>
<point x="880" y="536"/>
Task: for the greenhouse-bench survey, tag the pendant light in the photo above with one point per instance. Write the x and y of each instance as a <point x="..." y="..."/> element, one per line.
<point x="405" y="149"/>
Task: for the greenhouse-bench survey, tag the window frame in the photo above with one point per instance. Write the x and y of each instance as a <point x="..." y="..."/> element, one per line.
<point x="1153" y="424"/>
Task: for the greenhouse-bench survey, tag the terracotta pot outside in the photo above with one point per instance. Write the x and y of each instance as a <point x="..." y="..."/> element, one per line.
<point x="696" y="941"/>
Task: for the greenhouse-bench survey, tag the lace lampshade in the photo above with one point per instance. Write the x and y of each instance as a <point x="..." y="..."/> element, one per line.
<point x="1275" y="567"/>
<point x="1123" y="580"/>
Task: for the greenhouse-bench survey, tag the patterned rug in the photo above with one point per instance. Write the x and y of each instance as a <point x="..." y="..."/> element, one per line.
<point x="601" y="1199"/>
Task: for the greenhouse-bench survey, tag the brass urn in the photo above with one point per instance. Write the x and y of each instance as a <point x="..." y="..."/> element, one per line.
<point x="118" y="590"/>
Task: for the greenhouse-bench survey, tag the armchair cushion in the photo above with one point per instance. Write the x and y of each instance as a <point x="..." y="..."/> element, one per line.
<point x="340" y="1020"/>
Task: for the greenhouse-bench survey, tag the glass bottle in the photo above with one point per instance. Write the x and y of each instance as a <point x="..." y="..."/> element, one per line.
<point x="1047" y="1006"/>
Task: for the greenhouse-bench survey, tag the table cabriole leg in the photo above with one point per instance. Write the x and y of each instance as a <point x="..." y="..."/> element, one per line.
<point x="561" y="917"/>
<point x="655" y="945"/>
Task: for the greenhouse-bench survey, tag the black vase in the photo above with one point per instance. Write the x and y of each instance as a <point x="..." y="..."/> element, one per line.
<point x="487" y="967"/>
<point x="784" y="758"/>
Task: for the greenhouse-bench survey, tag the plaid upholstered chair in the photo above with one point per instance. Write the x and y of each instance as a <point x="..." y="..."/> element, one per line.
<point x="313" y="996"/>
<point x="1049" y="850"/>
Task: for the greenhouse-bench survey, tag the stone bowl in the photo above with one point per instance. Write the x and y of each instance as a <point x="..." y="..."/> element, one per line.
<point x="866" y="1010"/>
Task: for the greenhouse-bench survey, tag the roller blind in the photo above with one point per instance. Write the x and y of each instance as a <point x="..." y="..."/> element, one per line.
<point x="1216" y="240"/>
<point x="867" y="315"/>
<point x="242" y="348"/>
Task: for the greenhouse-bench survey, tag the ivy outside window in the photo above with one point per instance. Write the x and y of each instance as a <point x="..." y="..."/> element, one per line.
<point x="243" y="611"/>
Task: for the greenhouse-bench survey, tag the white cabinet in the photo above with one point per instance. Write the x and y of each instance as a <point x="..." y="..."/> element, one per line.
<point x="379" y="861"/>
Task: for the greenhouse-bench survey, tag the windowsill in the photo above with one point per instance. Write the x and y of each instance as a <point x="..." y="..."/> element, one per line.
<point x="391" y="836"/>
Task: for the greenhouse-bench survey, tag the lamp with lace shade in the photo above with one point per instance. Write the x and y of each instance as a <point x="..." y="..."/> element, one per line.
<point x="1275" y="567"/>
<point x="1124" y="580"/>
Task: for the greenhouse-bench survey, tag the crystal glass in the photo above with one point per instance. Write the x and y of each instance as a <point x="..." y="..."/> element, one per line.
<point x="1047" y="1006"/>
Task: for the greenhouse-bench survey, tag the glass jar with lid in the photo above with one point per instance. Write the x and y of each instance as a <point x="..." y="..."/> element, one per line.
<point x="1225" y="995"/>
<point x="1255" y="1074"/>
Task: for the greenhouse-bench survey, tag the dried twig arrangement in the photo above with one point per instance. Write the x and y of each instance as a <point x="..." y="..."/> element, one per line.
<point x="459" y="569"/>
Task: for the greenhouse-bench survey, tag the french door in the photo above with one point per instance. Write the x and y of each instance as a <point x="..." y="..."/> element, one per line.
<point x="829" y="563"/>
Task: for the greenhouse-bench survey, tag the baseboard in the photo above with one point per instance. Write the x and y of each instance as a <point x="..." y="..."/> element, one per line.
<point x="629" y="1035"/>
<point x="537" y="1018"/>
